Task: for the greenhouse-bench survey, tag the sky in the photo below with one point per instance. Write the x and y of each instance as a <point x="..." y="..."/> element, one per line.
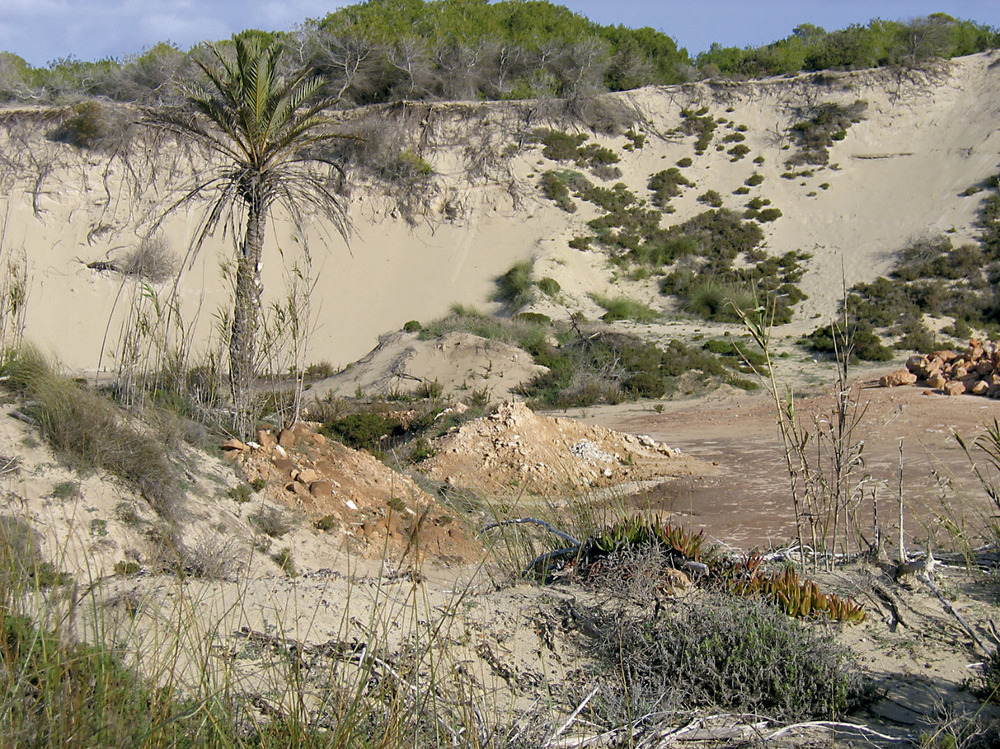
<point x="41" y="31"/>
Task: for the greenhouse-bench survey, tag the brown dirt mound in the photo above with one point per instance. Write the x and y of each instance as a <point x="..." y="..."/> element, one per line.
<point x="516" y="450"/>
<point x="356" y="495"/>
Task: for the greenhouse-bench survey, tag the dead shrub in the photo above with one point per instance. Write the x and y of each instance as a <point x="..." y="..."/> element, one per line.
<point x="271" y="521"/>
<point x="151" y="260"/>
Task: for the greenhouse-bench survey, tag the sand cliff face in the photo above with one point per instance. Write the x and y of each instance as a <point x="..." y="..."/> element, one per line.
<point x="901" y="172"/>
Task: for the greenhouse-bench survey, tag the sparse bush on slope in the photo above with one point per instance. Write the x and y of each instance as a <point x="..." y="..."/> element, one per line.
<point x="733" y="653"/>
<point x="92" y="431"/>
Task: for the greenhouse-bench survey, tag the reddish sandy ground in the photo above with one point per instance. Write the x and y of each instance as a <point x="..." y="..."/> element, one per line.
<point x="748" y="502"/>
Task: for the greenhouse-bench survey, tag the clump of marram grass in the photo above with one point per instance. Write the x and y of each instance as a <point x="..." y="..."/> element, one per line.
<point x="719" y="301"/>
<point x="515" y="286"/>
<point x="92" y="432"/>
<point x="623" y="308"/>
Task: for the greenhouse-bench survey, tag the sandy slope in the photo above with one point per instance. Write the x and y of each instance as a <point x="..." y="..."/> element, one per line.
<point x="899" y="174"/>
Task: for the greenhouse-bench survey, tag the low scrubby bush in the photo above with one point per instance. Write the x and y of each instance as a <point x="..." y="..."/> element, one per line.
<point x="92" y="432"/>
<point x="821" y="125"/>
<point x="720" y="651"/>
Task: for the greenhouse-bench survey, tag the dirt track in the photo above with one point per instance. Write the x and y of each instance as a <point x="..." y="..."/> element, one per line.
<point x="748" y="502"/>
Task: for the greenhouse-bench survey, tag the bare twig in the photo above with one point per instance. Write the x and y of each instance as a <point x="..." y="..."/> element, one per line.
<point x="926" y="579"/>
<point x="519" y="521"/>
<point x="572" y="717"/>
<point x="834" y="724"/>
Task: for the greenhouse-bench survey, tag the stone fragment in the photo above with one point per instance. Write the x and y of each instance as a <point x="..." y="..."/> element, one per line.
<point x="321" y="490"/>
<point x="266" y="439"/>
<point x="897" y="378"/>
<point x="235" y="444"/>
<point x="307" y="476"/>
<point x="286" y="438"/>
<point x="936" y="381"/>
<point x="955" y="387"/>
<point x="980" y="388"/>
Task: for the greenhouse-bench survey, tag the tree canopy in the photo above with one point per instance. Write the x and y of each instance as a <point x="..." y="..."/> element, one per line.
<point x="390" y="50"/>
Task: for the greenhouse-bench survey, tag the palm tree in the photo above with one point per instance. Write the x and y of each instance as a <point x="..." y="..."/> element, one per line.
<point x="268" y="131"/>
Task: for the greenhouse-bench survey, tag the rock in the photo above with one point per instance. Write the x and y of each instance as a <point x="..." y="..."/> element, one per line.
<point x="286" y="438"/>
<point x="321" y="490"/>
<point x="954" y="387"/>
<point x="307" y="476"/>
<point x="646" y="440"/>
<point x="980" y="388"/>
<point x="266" y="439"/>
<point x="235" y="444"/>
<point x="936" y="381"/>
<point x="897" y="378"/>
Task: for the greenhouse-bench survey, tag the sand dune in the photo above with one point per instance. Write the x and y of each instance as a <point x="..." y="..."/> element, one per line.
<point x="900" y="173"/>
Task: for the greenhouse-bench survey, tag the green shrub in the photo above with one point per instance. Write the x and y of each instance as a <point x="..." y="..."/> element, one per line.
<point x="549" y="286"/>
<point x="559" y="146"/>
<point x="532" y="318"/>
<point x="712" y="198"/>
<point x="819" y="127"/>
<point x="728" y="653"/>
<point x="515" y="286"/>
<point x="723" y="232"/>
<point x="736" y="350"/>
<point x="718" y="301"/>
<point x="865" y="345"/>
<point x="685" y="162"/>
<point x="754" y="179"/>
<point x="240" y="493"/>
<point x="412" y="326"/>
<point x="429" y="390"/>
<point x="667" y="184"/>
<point x="407" y="167"/>
<point x="94" y="433"/>
<point x="580" y="243"/>
<point x="421" y="450"/>
<point x="283" y="558"/>
<point x="958" y="329"/>
<point x="769" y="214"/>
<point x="363" y="430"/>
<point x="623" y="308"/>
<point x="326" y="523"/>
<point x="698" y="124"/>
<point x="738" y="151"/>
<point x="636" y="140"/>
<point x="555" y="189"/>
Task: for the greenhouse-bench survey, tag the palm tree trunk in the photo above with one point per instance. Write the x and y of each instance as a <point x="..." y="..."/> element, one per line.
<point x="246" y="318"/>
